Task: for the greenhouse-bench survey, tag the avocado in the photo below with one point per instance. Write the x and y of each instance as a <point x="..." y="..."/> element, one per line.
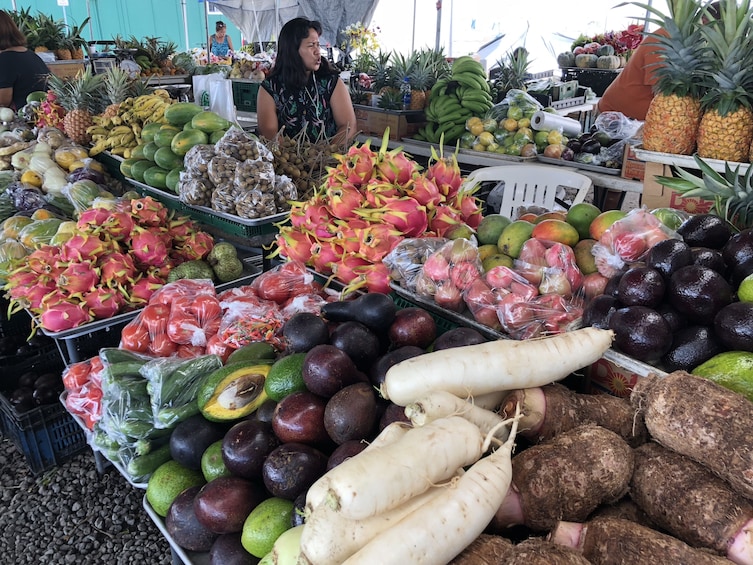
<point x="698" y="293"/>
<point x="733" y="325"/>
<point x="738" y="249"/>
<point x="641" y="333"/>
<point x="191" y="437"/>
<point x="691" y="346"/>
<point x="668" y="255"/>
<point x="705" y="230"/>
<point x="711" y="258"/>
<point x="643" y="286"/>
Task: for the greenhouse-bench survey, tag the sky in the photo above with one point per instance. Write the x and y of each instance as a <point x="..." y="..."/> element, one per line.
<point x="545" y="29"/>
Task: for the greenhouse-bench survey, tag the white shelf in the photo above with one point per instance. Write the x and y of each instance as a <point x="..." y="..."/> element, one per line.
<point x="686" y="161"/>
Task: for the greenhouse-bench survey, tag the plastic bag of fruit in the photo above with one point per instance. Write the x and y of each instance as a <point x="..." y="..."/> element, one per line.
<point x="407" y="258"/>
<point x="83" y="390"/>
<point x="549" y="266"/>
<point x="628" y="240"/>
<point x="542" y="315"/>
<point x="447" y="272"/>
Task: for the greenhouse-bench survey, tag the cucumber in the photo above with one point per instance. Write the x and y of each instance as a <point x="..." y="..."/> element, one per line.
<point x="142" y="466"/>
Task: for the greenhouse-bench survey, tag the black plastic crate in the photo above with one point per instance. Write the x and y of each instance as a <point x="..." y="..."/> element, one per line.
<point x="597" y="79"/>
<point x="46" y="435"/>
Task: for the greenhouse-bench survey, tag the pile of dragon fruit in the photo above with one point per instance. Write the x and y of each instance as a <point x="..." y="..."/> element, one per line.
<point x="117" y="258"/>
<point x="369" y="203"/>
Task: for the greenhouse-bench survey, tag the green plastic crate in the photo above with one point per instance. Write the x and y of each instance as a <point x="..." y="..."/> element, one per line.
<point x="244" y="95"/>
<point x="443" y="324"/>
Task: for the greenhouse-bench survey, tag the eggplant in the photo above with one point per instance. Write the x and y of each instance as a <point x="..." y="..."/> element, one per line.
<point x="591" y="146"/>
<point x="574" y="145"/>
<point x="85" y="173"/>
<point x="22" y="399"/>
<point x="45" y="395"/>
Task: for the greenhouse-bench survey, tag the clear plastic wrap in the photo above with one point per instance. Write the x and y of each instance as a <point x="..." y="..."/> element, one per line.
<point x="407" y="258"/>
<point x="628" y="240"/>
<point x="258" y="173"/>
<point x="550" y="266"/>
<point x="173" y="385"/>
<point x="254" y="203"/>
<point x="195" y="189"/>
<point x="514" y="97"/>
<point x="542" y="315"/>
<point x="242" y="145"/>
<point x="247" y="321"/>
<point x="224" y="197"/>
<point x="52" y="136"/>
<point x="83" y="386"/>
<point x="285" y="191"/>
<point x="447" y="272"/>
<point x="284" y="282"/>
<point x="126" y="409"/>
<point x="196" y="160"/>
<point x="221" y="169"/>
<point x="194" y="319"/>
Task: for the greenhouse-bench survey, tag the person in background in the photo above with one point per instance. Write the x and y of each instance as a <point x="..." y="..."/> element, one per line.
<point x="220" y="43"/>
<point x="303" y="91"/>
<point x="21" y="70"/>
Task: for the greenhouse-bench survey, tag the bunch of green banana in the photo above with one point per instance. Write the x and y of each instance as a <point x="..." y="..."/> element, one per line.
<point x="144" y="62"/>
<point x="116" y="140"/>
<point x="454" y="99"/>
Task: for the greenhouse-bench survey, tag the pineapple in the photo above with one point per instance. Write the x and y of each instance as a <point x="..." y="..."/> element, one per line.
<point x="671" y="124"/>
<point x="513" y="71"/>
<point x="381" y="71"/>
<point x="117" y="84"/>
<point x="421" y="80"/>
<point x="726" y="128"/>
<point x="77" y="95"/>
<point x="390" y="100"/>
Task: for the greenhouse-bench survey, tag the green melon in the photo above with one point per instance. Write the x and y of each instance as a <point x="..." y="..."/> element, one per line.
<point x="139" y="168"/>
<point x="173" y="177"/>
<point x="186" y="139"/>
<point x="165" y="135"/>
<point x="149" y="150"/>
<point x="181" y="113"/>
<point x="165" y="158"/>
<point x="156" y="176"/>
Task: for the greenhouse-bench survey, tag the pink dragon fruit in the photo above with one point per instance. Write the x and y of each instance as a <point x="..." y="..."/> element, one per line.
<point x="104" y="302"/>
<point x="64" y="316"/>
<point x="118" y="225"/>
<point x="323" y="254"/>
<point x="443" y="218"/>
<point x="343" y="200"/>
<point x="374" y="277"/>
<point x="357" y="165"/>
<point x="147" y="247"/>
<point x="294" y="245"/>
<point x="347" y="234"/>
<point x="197" y="245"/>
<point x="469" y="208"/>
<point x="78" y="278"/>
<point x="46" y="260"/>
<point x="117" y="269"/>
<point x="149" y="212"/>
<point x="30" y="297"/>
<point x="378" y="192"/>
<point x="90" y="220"/>
<point x="344" y="270"/>
<point x="425" y="191"/>
<point x="83" y="246"/>
<point x="445" y="172"/>
<point x="395" y="167"/>
<point x="179" y="228"/>
<point x="142" y="290"/>
<point x="404" y="213"/>
<point x="377" y="240"/>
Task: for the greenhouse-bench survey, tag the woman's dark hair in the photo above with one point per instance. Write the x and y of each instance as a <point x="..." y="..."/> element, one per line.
<point x="10" y="35"/>
<point x="219" y="25"/>
<point x="288" y="64"/>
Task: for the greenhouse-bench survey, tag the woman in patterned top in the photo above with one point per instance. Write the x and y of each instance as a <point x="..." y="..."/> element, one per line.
<point x="220" y="42"/>
<point x="303" y="91"/>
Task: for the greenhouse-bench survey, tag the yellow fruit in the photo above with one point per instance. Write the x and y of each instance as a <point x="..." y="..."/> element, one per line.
<point x="485" y="138"/>
<point x="554" y="137"/>
<point x="470" y="122"/>
<point x="477" y="128"/>
<point x="510" y="124"/>
<point x="32" y="177"/>
<point x="265" y="524"/>
<point x="13" y="225"/>
<point x="524" y="123"/>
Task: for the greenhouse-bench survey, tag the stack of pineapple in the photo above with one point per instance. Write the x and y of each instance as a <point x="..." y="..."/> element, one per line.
<point x="705" y="86"/>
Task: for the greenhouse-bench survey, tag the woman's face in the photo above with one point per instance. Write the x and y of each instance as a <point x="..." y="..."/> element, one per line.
<point x="310" y="51"/>
<point x="220" y="31"/>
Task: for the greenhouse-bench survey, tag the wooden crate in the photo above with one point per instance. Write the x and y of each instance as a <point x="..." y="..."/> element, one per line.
<point x="65" y="69"/>
<point x="374" y="121"/>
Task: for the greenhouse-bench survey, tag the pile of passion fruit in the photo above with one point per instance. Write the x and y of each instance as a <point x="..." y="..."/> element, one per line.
<point x="678" y="307"/>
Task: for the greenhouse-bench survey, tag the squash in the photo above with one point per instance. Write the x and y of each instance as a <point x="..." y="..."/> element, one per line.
<point x="585" y="61"/>
<point x="233" y="392"/>
<point x="608" y="62"/>
<point x="156" y="176"/>
<point x="605" y="50"/>
<point x="566" y="59"/>
<point x="209" y="121"/>
<point x="180" y="113"/>
<point x="165" y="158"/>
<point x="186" y="139"/>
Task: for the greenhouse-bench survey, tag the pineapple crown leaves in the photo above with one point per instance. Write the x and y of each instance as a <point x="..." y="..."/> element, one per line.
<point x="732" y="193"/>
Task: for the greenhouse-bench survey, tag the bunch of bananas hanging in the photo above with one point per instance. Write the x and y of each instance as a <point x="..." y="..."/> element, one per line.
<point x="119" y="130"/>
<point x="454" y="99"/>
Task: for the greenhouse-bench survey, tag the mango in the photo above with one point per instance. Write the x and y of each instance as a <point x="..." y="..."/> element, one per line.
<point x="584" y="257"/>
<point x="555" y="230"/>
<point x="553" y="215"/>
<point x="603" y="222"/>
<point x="513" y="237"/>
<point x="581" y="215"/>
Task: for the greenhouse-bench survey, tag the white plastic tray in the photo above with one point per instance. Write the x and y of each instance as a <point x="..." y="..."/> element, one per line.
<point x="187" y="557"/>
<point x="686" y="161"/>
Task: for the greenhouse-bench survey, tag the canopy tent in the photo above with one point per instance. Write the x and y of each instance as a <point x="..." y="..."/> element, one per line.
<point x="261" y="20"/>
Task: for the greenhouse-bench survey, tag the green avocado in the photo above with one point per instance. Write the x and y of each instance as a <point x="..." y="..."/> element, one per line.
<point x="730" y="369"/>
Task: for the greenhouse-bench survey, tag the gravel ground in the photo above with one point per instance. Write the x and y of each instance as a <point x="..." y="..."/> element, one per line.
<point x="72" y="514"/>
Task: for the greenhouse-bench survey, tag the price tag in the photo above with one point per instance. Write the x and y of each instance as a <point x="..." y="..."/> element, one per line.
<point x="62" y="2"/>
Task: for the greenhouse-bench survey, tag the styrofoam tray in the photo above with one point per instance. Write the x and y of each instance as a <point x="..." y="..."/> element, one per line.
<point x="187" y="557"/>
<point x="686" y="161"/>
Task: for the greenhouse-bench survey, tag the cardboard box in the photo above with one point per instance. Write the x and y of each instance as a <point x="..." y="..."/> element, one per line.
<point x="658" y="196"/>
<point x="374" y="121"/>
<point x="616" y="373"/>
<point x="632" y="167"/>
<point x="65" y="69"/>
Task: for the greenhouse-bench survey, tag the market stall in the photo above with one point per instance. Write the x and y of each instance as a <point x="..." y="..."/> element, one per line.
<point x="301" y="351"/>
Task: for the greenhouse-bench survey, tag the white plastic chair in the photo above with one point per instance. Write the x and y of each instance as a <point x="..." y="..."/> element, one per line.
<point x="527" y="185"/>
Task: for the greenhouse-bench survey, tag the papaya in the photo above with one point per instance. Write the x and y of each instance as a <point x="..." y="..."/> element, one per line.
<point x="156" y="176"/>
<point x="149" y="131"/>
<point x="180" y="113"/>
<point x="149" y="150"/>
<point x="165" y="158"/>
<point x="208" y="122"/>
<point x="138" y="151"/>
<point x="165" y="135"/>
<point x="186" y="139"/>
<point x="172" y="179"/>
<point x="233" y="392"/>
<point x="139" y="168"/>
<point x="215" y="136"/>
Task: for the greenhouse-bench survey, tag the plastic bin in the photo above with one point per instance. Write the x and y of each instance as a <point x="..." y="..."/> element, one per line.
<point x="47" y="435"/>
<point x="244" y="95"/>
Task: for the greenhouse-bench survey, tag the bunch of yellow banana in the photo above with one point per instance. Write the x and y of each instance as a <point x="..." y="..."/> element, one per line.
<point x="117" y="140"/>
<point x="454" y="99"/>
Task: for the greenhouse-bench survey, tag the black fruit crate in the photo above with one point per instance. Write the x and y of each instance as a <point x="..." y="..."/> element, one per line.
<point x="18" y="324"/>
<point x="597" y="79"/>
<point x="46" y="435"/>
